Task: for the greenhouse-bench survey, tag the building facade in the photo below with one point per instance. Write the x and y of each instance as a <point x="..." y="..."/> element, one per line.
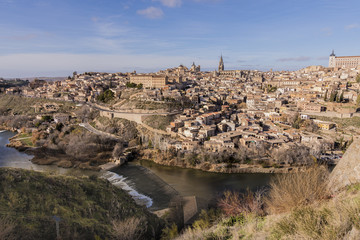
<point x="343" y="62"/>
<point x="150" y="81"/>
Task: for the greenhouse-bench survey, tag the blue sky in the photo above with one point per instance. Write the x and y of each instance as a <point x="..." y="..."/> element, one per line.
<point x="55" y="38"/>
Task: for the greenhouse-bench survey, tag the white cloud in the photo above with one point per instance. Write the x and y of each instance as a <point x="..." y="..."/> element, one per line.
<point x="294" y="59"/>
<point x="352" y="26"/>
<point x="170" y="3"/>
<point x="151" y="12"/>
<point x="110" y="29"/>
<point x="327" y="31"/>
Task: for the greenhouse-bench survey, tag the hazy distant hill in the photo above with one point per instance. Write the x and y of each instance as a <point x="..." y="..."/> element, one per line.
<point x="12" y="83"/>
<point x="45" y="78"/>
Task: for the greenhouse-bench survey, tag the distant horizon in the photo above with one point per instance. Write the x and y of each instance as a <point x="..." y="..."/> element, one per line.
<point x="154" y="71"/>
<point x="55" y="38"/>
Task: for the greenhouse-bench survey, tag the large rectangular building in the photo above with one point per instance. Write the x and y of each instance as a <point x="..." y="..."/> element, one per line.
<point x="343" y="62"/>
<point x="150" y="81"/>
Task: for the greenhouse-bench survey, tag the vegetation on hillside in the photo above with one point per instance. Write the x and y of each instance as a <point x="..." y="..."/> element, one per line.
<point x="89" y="208"/>
<point x="120" y="127"/>
<point x="341" y="122"/>
<point x="19" y="105"/>
<point x="158" y="121"/>
<point x="134" y="85"/>
<point x="297" y="206"/>
<point x="106" y="96"/>
<point x="73" y="146"/>
<point x="151" y="105"/>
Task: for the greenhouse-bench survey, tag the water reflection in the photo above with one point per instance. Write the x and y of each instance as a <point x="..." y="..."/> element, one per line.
<point x="205" y="186"/>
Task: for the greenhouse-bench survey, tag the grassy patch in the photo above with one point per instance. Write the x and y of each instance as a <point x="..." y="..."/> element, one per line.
<point x="23" y="105"/>
<point x="341" y="122"/>
<point x="151" y="105"/>
<point x="333" y="221"/>
<point x="87" y="207"/>
<point x="158" y="121"/>
<point x="25" y="138"/>
<point x="354" y="187"/>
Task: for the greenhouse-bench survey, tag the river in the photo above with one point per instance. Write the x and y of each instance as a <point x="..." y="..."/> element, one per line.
<point x="148" y="183"/>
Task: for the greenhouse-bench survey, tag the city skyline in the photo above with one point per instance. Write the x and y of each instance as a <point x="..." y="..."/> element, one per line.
<point x="51" y="38"/>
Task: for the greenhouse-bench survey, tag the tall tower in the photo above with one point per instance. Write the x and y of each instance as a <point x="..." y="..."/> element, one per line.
<point x="221" y="64"/>
<point x="332" y="59"/>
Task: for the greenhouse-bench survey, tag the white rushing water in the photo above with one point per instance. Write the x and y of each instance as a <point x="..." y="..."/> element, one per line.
<point x="125" y="184"/>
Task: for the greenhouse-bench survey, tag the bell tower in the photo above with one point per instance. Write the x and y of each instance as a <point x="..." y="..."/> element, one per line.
<point x="332" y="60"/>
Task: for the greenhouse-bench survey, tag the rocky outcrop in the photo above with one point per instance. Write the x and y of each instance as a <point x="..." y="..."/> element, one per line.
<point x="347" y="171"/>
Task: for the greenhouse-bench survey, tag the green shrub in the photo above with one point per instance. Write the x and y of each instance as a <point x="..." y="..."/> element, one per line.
<point x="169" y="233"/>
<point x="206" y="219"/>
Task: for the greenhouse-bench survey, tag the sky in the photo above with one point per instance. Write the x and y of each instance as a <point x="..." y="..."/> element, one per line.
<point x="55" y="38"/>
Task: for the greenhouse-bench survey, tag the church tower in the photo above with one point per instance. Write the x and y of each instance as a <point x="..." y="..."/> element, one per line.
<point x="332" y="60"/>
<point x="221" y="64"/>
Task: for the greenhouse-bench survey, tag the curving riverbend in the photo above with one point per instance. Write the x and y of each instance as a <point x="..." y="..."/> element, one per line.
<point x="148" y="183"/>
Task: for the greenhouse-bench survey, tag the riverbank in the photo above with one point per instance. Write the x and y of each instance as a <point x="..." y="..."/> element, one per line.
<point x="154" y="156"/>
<point x="46" y="156"/>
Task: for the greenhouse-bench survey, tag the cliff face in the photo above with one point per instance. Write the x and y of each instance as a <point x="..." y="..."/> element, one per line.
<point x="347" y="170"/>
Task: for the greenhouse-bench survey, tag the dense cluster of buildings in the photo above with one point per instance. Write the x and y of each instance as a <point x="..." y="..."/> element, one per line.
<point x="230" y="108"/>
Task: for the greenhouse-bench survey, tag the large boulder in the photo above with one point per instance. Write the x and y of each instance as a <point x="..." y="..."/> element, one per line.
<point x="347" y="171"/>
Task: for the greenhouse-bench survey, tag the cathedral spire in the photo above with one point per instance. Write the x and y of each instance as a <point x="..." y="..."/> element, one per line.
<point x="221" y="64"/>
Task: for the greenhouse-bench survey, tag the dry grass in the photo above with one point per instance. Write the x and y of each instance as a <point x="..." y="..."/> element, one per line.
<point x="6" y="229"/>
<point x="331" y="222"/>
<point x="235" y="204"/>
<point x="129" y="229"/>
<point x="293" y="190"/>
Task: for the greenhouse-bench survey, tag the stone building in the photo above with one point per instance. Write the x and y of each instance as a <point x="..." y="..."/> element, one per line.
<point x="343" y="62"/>
<point x="150" y="81"/>
<point x="195" y="68"/>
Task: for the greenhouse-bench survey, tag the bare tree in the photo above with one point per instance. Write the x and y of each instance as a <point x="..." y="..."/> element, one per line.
<point x="129" y="229"/>
<point x="85" y="112"/>
<point x="295" y="155"/>
<point x="234" y="203"/>
<point x="310" y="126"/>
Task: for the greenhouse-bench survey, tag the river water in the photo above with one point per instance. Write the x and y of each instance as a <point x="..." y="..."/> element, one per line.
<point x="148" y="183"/>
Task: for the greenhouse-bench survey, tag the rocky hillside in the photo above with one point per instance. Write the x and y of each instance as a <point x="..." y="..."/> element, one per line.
<point x="88" y="208"/>
<point x="347" y="170"/>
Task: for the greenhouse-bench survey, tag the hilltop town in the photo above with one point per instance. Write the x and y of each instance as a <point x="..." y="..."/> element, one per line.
<point x="223" y="118"/>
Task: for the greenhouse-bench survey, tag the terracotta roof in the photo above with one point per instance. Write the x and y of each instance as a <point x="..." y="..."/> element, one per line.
<point x="349" y="57"/>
